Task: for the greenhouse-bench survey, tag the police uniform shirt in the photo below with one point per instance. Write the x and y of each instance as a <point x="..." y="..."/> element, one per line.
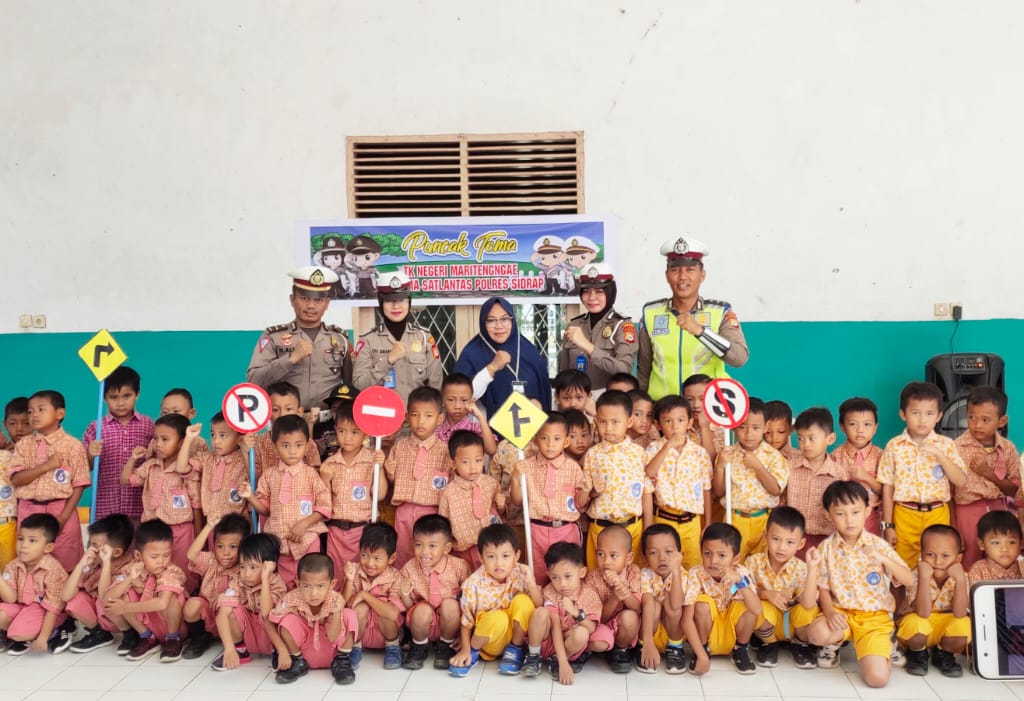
<point x="615" y="346"/>
<point x="325" y="368"/>
<point x="420" y="366"/>
<point x="681" y="357"/>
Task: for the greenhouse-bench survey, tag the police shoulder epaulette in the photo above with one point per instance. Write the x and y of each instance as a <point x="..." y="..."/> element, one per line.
<point x="716" y="302"/>
<point x="615" y="315"/>
<point x="279" y="327"/>
<point x="658" y="302"/>
<point x="580" y="317"/>
<point x="332" y="327"/>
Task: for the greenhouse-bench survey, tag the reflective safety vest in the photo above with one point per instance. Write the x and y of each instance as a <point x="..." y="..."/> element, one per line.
<point x="675" y="354"/>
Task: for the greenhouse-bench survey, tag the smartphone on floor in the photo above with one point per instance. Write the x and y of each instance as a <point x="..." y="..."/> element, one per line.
<point x="997" y="629"/>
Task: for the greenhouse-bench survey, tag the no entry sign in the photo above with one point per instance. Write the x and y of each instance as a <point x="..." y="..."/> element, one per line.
<point x="378" y="411"/>
<point x="726" y="403"/>
<point x="246" y="408"/>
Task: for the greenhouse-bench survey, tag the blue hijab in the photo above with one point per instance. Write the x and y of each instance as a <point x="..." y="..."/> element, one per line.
<point x="532" y="367"/>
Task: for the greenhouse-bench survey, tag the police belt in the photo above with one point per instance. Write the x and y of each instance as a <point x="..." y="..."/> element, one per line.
<point x="346" y="525"/>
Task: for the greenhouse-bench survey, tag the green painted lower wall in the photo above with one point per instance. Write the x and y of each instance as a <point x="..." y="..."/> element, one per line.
<point x="804" y="363"/>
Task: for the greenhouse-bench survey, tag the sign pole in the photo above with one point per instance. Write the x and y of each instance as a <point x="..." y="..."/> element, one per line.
<point x="376" y="482"/>
<point x="252" y="481"/>
<point x="96" y="460"/>
<point x="728" y="477"/>
<point x="526" y="519"/>
<point x="246" y="409"/>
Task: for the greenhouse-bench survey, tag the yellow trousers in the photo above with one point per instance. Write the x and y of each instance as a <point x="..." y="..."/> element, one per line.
<point x="635" y="529"/>
<point x="910" y="524"/>
<point x="496" y="626"/>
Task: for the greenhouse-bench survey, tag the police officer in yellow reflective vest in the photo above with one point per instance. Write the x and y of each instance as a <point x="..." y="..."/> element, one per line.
<point x="686" y="334"/>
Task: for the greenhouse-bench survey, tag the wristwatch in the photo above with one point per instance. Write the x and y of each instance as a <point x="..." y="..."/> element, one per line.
<point x="581" y="616"/>
<point x="884" y="525"/>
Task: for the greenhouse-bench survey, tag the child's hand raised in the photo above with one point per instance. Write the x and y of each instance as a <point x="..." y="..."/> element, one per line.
<point x="268" y="568"/>
<point x="812" y="556"/>
<point x="499" y="500"/>
<point x="473" y="408"/>
<point x="106" y="553"/>
<point x="248" y="441"/>
<point x="139" y="452"/>
<point x="350" y="569"/>
<point x="245" y="490"/>
<point x="526" y="572"/>
<point x="776" y="599"/>
<point x="192" y="432"/>
<point x="931" y="449"/>
<point x="956" y="571"/>
<point x="327" y="472"/>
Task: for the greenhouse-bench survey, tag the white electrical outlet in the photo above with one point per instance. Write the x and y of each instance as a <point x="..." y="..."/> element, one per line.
<point x="39" y="321"/>
<point x="25" y="321"/>
<point x="941" y="310"/>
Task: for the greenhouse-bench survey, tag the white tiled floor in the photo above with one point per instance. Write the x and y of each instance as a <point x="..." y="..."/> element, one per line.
<point x="103" y="675"/>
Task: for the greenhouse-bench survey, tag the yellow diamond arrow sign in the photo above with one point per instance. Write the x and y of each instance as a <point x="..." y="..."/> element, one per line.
<point x="102" y="355"/>
<point x="518" y="419"/>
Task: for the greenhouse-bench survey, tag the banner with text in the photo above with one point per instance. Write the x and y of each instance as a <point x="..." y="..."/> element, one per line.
<point x="460" y="260"/>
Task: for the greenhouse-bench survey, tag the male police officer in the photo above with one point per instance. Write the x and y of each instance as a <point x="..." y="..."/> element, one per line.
<point x="686" y="334"/>
<point x="312" y="355"/>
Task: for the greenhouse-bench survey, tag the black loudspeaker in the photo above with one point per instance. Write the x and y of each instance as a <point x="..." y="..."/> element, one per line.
<point x="956" y="374"/>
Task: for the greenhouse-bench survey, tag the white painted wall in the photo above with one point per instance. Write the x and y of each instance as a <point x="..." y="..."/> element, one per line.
<point x="843" y="160"/>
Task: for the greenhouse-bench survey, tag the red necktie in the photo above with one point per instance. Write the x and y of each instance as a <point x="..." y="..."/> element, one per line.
<point x="156" y="476"/>
<point x="147" y="591"/>
<point x="40" y="451"/>
<point x="858" y="459"/>
<point x="478" y="502"/>
<point x="999" y="465"/>
<point x="218" y="476"/>
<point x="285" y="494"/>
<point x="28" y="592"/>
<point x="434" y="593"/>
<point x="550" y="480"/>
<point x="419" y="468"/>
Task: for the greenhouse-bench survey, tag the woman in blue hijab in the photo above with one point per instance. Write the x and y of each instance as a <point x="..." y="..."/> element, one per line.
<point x="500" y="361"/>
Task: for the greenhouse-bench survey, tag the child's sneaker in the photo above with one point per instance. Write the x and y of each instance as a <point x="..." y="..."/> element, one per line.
<point x="442" y="654"/>
<point x="828" y="657"/>
<point x="947" y="664"/>
<point x="16" y="648"/>
<point x="392" y="657"/>
<point x="638" y="664"/>
<point x="129" y="639"/>
<point x="415" y="656"/>
<point x="474" y="660"/>
<point x="356" y="657"/>
<point x="341" y="668"/>
<point x="675" y="660"/>
<point x="298" y="669"/>
<point x="896" y="657"/>
<point x="619" y="662"/>
<point x="917" y="662"/>
<point x="93" y="640"/>
<point x="511" y="660"/>
<point x="693" y="660"/>
<point x="171" y="650"/>
<point x="804" y="655"/>
<point x="4" y="642"/>
<point x="741" y="658"/>
<point x="580" y="662"/>
<point x="243" y="658"/>
<point x="767" y="655"/>
<point x="553" y="667"/>
<point x="531" y="666"/>
<point x="197" y="646"/>
<point x="62" y="637"/>
<point x="144" y="648"/>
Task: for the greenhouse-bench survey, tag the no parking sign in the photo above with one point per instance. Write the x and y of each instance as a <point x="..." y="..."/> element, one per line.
<point x="246" y="408"/>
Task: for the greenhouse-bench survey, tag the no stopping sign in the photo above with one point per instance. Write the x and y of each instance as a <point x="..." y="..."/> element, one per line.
<point x="726" y="403"/>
